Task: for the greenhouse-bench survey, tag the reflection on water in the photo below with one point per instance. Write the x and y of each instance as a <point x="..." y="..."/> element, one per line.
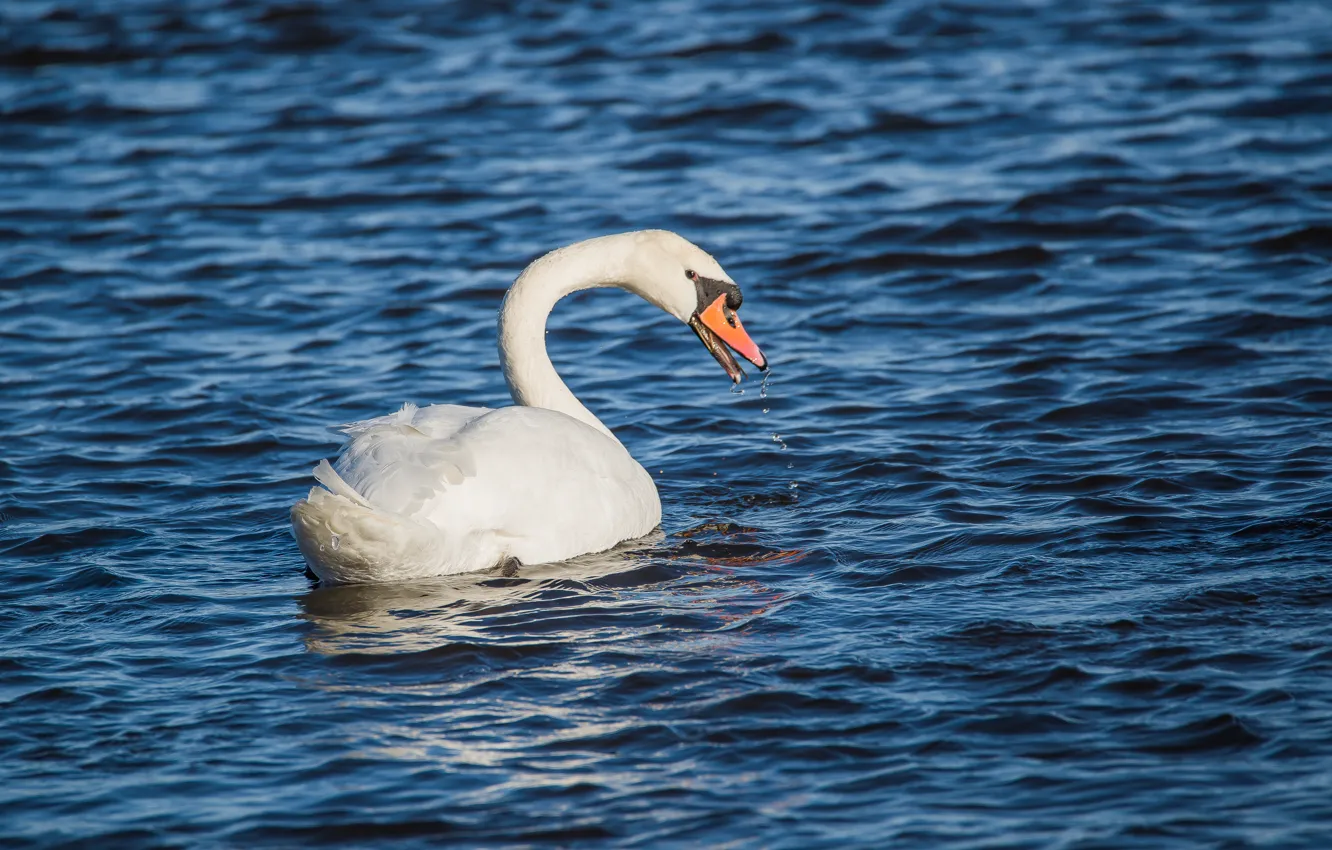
<point x="702" y="572"/>
<point x="488" y="663"/>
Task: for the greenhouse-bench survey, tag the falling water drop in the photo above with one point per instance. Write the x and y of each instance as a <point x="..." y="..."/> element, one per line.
<point x="776" y="438"/>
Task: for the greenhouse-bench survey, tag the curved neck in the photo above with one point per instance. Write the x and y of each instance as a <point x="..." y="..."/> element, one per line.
<point x="532" y="379"/>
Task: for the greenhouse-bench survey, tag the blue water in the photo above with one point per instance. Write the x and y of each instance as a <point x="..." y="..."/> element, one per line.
<point x="1046" y="560"/>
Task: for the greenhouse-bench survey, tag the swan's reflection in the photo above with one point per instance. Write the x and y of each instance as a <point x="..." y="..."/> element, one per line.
<point x="580" y="594"/>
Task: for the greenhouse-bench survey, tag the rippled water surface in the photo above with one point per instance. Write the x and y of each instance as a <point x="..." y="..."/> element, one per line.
<point x="1045" y="561"/>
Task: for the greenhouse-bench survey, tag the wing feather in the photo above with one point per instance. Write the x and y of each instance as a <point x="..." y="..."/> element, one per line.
<point x="325" y="474"/>
<point x="402" y="461"/>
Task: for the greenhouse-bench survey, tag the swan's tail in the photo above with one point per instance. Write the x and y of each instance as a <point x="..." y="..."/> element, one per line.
<point x="346" y="540"/>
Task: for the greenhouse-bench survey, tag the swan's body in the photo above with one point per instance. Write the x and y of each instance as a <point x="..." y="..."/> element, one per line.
<point x="450" y="489"/>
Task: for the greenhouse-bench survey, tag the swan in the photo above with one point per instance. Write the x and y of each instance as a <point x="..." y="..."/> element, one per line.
<point x="444" y="489"/>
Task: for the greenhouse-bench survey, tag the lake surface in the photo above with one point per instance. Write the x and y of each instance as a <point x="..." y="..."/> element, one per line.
<point x="1029" y="543"/>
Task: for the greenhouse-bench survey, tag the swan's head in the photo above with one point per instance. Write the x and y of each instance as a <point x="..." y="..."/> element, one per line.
<point x="685" y="281"/>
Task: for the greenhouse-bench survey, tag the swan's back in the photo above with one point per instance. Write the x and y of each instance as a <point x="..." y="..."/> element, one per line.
<point x="446" y="489"/>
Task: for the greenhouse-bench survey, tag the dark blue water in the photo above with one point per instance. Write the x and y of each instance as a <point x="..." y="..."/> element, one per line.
<point x="1048" y="291"/>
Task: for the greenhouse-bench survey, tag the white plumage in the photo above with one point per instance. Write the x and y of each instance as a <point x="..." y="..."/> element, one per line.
<point x="448" y="489"/>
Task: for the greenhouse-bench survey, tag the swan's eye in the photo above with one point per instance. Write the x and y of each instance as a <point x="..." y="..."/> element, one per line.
<point x="691" y="274"/>
<point x="730" y="317"/>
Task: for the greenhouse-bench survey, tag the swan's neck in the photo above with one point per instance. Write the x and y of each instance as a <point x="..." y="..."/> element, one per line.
<point x="533" y="382"/>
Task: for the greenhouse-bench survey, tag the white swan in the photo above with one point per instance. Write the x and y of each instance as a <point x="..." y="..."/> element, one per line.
<point x="450" y="489"/>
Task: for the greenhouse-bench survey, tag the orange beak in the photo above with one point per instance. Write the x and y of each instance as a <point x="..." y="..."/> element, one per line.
<point x="717" y="324"/>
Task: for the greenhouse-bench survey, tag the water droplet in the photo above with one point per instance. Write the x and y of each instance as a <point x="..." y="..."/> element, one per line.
<point x="777" y="438"/>
<point x="763" y="386"/>
<point x="794" y="485"/>
<point x="765" y="410"/>
<point x="736" y="389"/>
<point x="333" y="541"/>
